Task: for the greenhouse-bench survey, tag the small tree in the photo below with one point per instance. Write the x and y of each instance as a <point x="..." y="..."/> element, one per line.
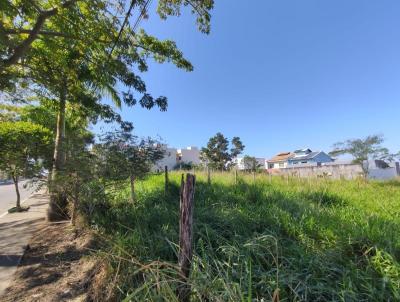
<point x="217" y="153"/>
<point x="250" y="163"/>
<point x="362" y="150"/>
<point x="22" y="145"/>
<point x="123" y="157"/>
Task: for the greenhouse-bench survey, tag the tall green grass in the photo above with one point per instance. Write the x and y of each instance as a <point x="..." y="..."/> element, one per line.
<point x="299" y="240"/>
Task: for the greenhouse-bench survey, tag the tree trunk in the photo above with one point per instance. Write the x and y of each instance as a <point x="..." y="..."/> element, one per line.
<point x="58" y="157"/>
<point x="15" y="180"/>
<point x="75" y="197"/>
<point x="58" y="202"/>
<point x="132" y="181"/>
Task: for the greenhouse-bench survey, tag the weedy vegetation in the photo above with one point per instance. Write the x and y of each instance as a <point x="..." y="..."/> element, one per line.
<point x="259" y="240"/>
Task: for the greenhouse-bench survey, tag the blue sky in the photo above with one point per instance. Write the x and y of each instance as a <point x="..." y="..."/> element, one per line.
<point x="279" y="74"/>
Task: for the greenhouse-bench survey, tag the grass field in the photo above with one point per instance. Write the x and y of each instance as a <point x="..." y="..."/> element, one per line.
<point x="299" y="240"/>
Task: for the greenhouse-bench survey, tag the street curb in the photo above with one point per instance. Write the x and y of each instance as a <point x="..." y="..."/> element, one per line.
<point x="6" y="212"/>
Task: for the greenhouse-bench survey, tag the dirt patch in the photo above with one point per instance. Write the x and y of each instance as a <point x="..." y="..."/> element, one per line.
<point x="56" y="267"/>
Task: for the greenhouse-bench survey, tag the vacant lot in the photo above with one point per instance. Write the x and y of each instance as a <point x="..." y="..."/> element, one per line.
<point x="292" y="240"/>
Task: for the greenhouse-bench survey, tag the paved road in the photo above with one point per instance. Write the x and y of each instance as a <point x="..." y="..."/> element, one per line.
<point x="8" y="197"/>
<point x="16" y="230"/>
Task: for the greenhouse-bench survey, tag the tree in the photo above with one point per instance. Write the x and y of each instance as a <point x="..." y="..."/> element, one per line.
<point x="82" y="52"/>
<point x="22" y="145"/>
<point x="217" y="153"/>
<point x="123" y="157"/>
<point x="25" y="22"/>
<point x="237" y="147"/>
<point x="251" y="164"/>
<point x="362" y="150"/>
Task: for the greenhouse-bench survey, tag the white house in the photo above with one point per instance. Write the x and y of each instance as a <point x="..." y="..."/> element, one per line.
<point x="307" y="156"/>
<point x="174" y="156"/>
<point x="279" y="161"/>
<point x="189" y="155"/>
<point x="298" y="157"/>
<point x="239" y="161"/>
<point x="169" y="160"/>
<point x="379" y="169"/>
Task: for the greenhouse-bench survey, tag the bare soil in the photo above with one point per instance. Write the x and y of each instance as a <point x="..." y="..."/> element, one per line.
<point x="57" y="267"/>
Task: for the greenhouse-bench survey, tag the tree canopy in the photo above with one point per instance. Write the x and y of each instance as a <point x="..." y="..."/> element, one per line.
<point x="123" y="156"/>
<point x="217" y="153"/>
<point x="363" y="149"/>
<point x="23" y="145"/>
<point x="77" y="53"/>
<point x="250" y="163"/>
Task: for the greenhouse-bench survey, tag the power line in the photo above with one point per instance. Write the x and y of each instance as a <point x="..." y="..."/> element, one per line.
<point x="141" y="15"/>
<point x="128" y="13"/>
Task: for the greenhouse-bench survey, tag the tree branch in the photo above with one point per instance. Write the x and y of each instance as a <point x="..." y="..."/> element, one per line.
<point x="49" y="33"/>
<point x="22" y="48"/>
<point x="41" y="32"/>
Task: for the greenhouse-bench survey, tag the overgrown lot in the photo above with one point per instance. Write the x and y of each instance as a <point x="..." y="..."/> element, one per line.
<point x="295" y="240"/>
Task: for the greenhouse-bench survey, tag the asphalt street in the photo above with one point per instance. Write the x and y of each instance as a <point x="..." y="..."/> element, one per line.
<point x="8" y="197"/>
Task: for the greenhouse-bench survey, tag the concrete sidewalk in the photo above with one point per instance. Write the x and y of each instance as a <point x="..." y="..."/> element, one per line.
<point x="16" y="230"/>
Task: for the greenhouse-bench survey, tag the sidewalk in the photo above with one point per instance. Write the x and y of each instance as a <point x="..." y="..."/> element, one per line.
<point x="15" y="232"/>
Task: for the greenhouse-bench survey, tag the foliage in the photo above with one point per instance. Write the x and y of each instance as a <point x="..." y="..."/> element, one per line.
<point x="82" y="49"/>
<point x="250" y="163"/>
<point x="362" y="150"/>
<point x="185" y="166"/>
<point x="217" y="155"/>
<point x="124" y="156"/>
<point x="256" y="239"/>
<point x="22" y="146"/>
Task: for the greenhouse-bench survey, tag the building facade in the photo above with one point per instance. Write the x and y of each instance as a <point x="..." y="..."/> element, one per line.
<point x="240" y="163"/>
<point x="307" y="156"/>
<point x="188" y="155"/>
<point x="279" y="161"/>
<point x="173" y="157"/>
<point x="168" y="160"/>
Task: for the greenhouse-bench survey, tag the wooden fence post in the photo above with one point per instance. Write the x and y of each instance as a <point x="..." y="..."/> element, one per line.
<point x="186" y="234"/>
<point x="254" y="176"/>
<point x="236" y="176"/>
<point x="208" y="176"/>
<point x="132" y="182"/>
<point x="166" y="178"/>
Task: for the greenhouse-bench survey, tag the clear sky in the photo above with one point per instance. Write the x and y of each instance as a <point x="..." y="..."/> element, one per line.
<point x="279" y="74"/>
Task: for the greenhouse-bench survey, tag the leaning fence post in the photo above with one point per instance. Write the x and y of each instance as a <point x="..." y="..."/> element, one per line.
<point x="166" y="178"/>
<point x="186" y="234"/>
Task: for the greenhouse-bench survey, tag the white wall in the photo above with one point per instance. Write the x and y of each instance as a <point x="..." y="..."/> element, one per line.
<point x="276" y="165"/>
<point x="383" y="174"/>
<point x="338" y="169"/>
<point x="240" y="163"/>
<point x="190" y="154"/>
<point x="169" y="160"/>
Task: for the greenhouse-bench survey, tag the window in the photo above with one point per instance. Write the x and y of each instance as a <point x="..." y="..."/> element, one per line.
<point x="281" y="165"/>
<point x="271" y="166"/>
<point x="304" y="162"/>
